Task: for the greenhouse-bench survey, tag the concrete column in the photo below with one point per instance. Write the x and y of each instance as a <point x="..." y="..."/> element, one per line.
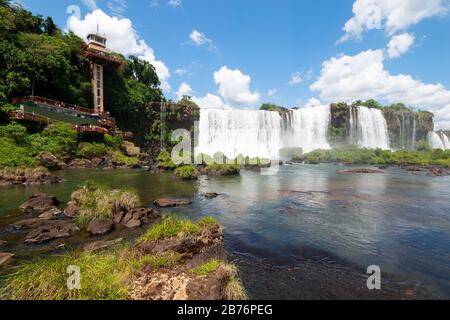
<point x="97" y="87"/>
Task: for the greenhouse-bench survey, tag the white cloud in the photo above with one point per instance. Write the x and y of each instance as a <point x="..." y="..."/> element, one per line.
<point x="199" y="38"/>
<point x="181" y="72"/>
<point x="90" y="4"/>
<point x="391" y="15"/>
<point x="296" y="78"/>
<point x="117" y="7"/>
<point x="363" y="76"/>
<point x="400" y="44"/>
<point x="313" y="102"/>
<point x="184" y="90"/>
<point x="272" y="92"/>
<point x="234" y="88"/>
<point x="122" y="38"/>
<point x="210" y="101"/>
<point x="174" y="3"/>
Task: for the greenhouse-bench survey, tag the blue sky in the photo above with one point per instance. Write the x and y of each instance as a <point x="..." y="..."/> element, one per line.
<point x="241" y="53"/>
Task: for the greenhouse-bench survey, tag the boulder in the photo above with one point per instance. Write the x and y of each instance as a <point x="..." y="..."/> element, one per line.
<point x="118" y="217"/>
<point x="137" y="217"/>
<point x="100" y="245"/>
<point x="2" y="243"/>
<point x="359" y="170"/>
<point x="81" y="164"/>
<point x="100" y="226"/>
<point x="50" y="214"/>
<point x="29" y="224"/>
<point x="49" y="161"/>
<point x="438" y="172"/>
<point x="71" y="210"/>
<point x="166" y="203"/>
<point x="414" y="169"/>
<point x="5" y="258"/>
<point x="155" y="170"/>
<point x="51" y="229"/>
<point x="211" y="195"/>
<point x="39" y="203"/>
<point x="129" y="149"/>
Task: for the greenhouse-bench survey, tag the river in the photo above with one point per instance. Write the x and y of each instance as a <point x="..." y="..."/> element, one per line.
<point x="304" y="233"/>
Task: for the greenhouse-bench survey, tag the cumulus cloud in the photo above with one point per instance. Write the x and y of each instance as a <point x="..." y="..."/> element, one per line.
<point x="122" y="38"/>
<point x="234" y="88"/>
<point x="391" y="15"/>
<point x="363" y="76"/>
<point x="184" y="90"/>
<point x="198" y="38"/>
<point x="399" y="45"/>
<point x="90" y="4"/>
<point x="181" y="72"/>
<point x="210" y="101"/>
<point x="313" y="102"/>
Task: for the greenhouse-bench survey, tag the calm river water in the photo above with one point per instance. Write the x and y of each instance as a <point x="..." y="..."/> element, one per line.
<point x="305" y="233"/>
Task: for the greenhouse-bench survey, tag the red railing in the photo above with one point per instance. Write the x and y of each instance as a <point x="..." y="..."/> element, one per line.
<point x="17" y="115"/>
<point x="91" y="130"/>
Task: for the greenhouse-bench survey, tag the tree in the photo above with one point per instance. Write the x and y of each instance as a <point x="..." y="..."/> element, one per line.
<point x="49" y="27"/>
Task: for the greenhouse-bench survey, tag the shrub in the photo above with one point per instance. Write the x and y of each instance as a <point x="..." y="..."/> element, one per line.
<point x="223" y="169"/>
<point x="12" y="155"/>
<point x="187" y="172"/>
<point x="92" y="150"/>
<point x="165" y="162"/>
<point x="122" y="160"/>
<point x="114" y="141"/>
<point x="14" y="131"/>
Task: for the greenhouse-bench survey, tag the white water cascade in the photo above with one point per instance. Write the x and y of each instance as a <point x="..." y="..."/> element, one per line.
<point x="239" y="132"/>
<point x="262" y="133"/>
<point x="368" y="128"/>
<point x="308" y="129"/>
<point x="438" y="141"/>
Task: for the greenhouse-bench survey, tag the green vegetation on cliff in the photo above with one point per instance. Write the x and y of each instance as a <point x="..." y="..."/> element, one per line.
<point x="355" y="155"/>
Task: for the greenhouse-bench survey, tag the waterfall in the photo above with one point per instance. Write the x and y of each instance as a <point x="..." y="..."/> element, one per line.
<point x="239" y="132"/>
<point x="414" y="133"/>
<point x="369" y="129"/>
<point x="445" y="141"/>
<point x="308" y="129"/>
<point x="262" y="133"/>
<point x="435" y="141"/>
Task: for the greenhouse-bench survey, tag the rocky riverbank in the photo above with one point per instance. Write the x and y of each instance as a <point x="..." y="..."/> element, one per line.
<point x="170" y="258"/>
<point x="26" y="176"/>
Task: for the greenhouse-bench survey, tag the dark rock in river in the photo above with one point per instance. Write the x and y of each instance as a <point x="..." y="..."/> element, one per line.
<point x="71" y="210"/>
<point x="136" y="217"/>
<point x="100" y="226"/>
<point x="39" y="203"/>
<point x="438" y="172"/>
<point x="50" y="214"/>
<point x="49" y="161"/>
<point x="359" y="170"/>
<point x="165" y="203"/>
<point x="414" y="168"/>
<point x="5" y="258"/>
<point x="155" y="170"/>
<point x="211" y="195"/>
<point x="49" y="230"/>
<point x="100" y="245"/>
<point x="81" y="164"/>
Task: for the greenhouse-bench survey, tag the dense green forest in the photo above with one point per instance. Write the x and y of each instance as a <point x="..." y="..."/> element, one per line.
<point x="37" y="58"/>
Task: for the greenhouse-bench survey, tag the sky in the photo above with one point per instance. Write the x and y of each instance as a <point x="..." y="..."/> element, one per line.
<point x="295" y="53"/>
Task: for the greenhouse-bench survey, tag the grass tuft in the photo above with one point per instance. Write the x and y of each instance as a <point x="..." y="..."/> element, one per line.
<point x="172" y="227"/>
<point x="207" y="268"/>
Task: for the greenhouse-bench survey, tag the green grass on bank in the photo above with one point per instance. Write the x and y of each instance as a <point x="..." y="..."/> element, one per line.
<point x="95" y="201"/>
<point x="354" y="155"/>
<point x="172" y="227"/>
